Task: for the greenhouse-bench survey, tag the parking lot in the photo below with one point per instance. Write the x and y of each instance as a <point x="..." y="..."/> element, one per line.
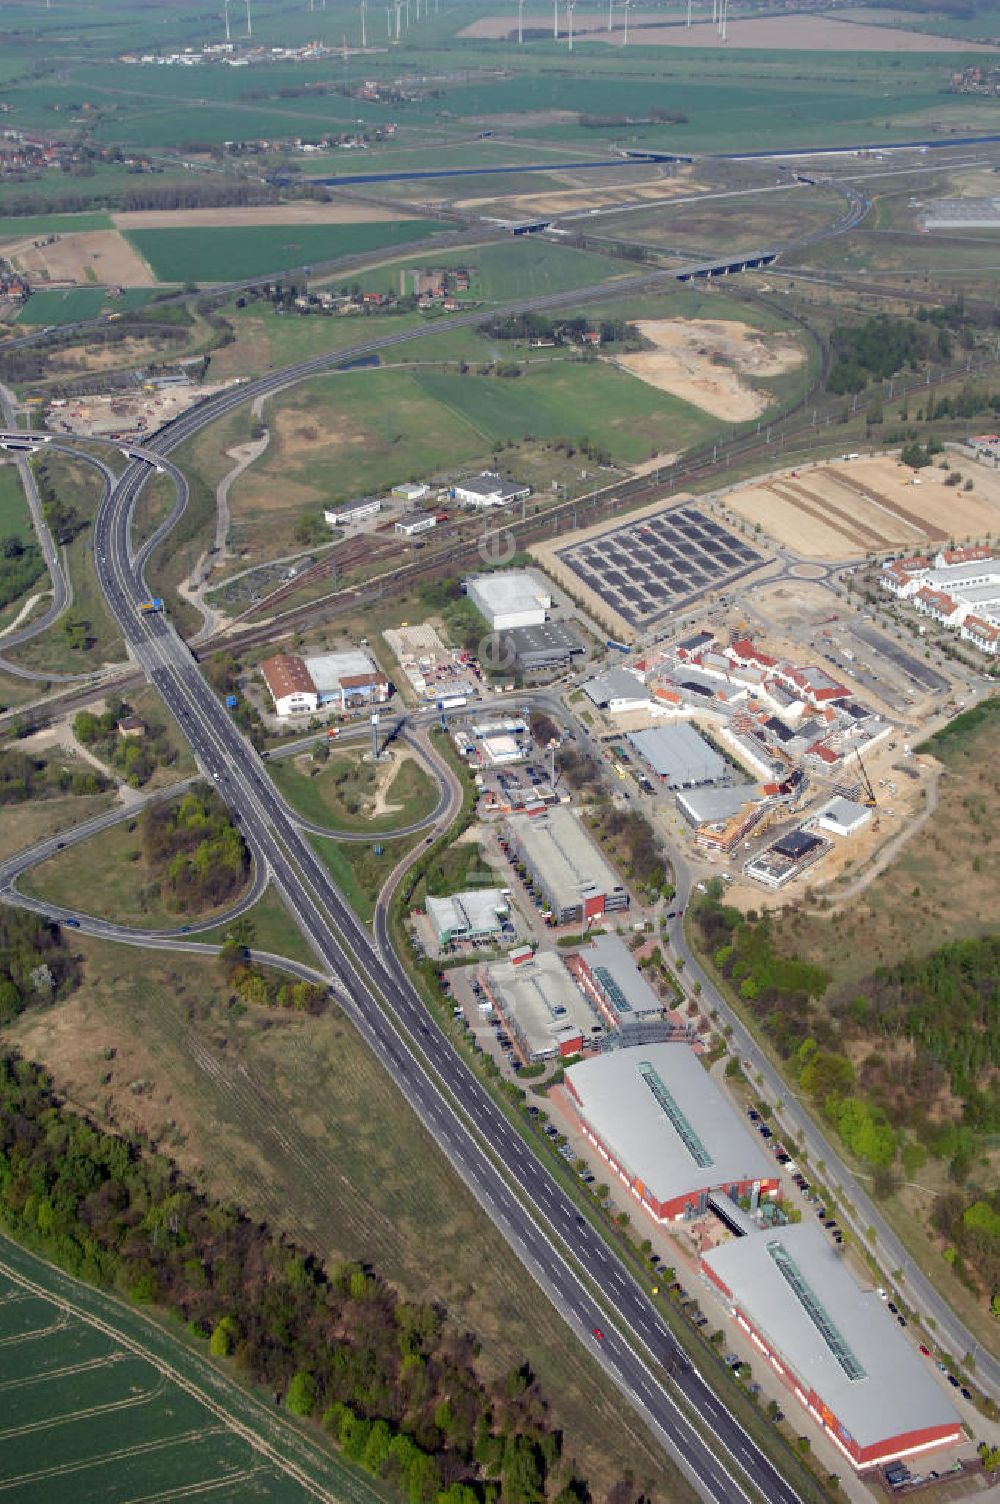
<point x="648" y="568"/>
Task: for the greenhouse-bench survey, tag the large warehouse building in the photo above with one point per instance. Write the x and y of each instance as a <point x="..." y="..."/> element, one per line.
<point x="679" y="755"/>
<point x="577" y="883"/>
<point x="345" y="679"/>
<point x="542" y="1006"/>
<point x="511" y="599"/>
<point x="834" y="1345"/>
<point x="653" y="1112"/>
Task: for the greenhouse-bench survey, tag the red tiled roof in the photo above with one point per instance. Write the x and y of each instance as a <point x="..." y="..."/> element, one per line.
<point x="285" y="674"/>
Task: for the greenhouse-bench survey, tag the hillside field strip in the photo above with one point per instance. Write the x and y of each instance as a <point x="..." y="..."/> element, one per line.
<point x="862" y="506"/>
<point x="781" y="33"/>
<point x="196" y="254"/>
<point x="99" y="1404"/>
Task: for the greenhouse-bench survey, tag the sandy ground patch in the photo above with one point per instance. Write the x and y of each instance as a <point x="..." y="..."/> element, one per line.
<point x="93" y="256"/>
<point x="563" y="200"/>
<point x="266" y="214"/>
<point x="546" y="556"/>
<point x="704" y="362"/>
<point x="863" y="506"/>
<point x="782" y="33"/>
<point x="98" y="357"/>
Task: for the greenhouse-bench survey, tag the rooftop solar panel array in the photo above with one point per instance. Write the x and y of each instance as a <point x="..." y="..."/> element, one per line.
<point x="644" y="569"/>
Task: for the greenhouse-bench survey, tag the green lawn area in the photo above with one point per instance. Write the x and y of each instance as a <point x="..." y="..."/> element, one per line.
<point x="358" y="871"/>
<point x="226" y="254"/>
<point x="20" y="228"/>
<point x="338" y="793"/>
<point x="80" y="486"/>
<point x="15" y="519"/>
<point x="52" y="307"/>
<point x="273" y="930"/>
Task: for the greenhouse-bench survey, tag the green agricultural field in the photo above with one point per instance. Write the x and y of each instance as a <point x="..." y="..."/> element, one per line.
<point x="515" y="268"/>
<point x="101" y="1404"/>
<point x="52" y="224"/>
<point x="51" y="307"/>
<point x="227" y="254"/>
<point x="340" y="792"/>
<point x="574" y="400"/>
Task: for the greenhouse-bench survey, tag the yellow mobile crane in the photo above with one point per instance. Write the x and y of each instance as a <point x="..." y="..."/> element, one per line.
<point x="871" y="798"/>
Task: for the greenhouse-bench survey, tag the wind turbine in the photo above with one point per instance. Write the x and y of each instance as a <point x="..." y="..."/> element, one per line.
<point x="225" y="7"/>
<point x="364" y="25"/>
<point x="520" y="23"/>
<point x="555" y="19"/>
<point x="689" y="12"/>
<point x="388" y="21"/>
<point x="627" y="3"/>
<point x="249" y="25"/>
<point x="570" y="4"/>
<point x="723" y="15"/>
<point x="611" y="15"/>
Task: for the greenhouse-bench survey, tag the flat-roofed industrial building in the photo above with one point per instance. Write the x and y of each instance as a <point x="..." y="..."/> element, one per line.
<point x="576" y="882"/>
<point x="544" y="1009"/>
<point x="679" y="755"/>
<point x="607" y="972"/>
<point x="512" y="598"/>
<point x="833" y="1344"/>
<point x="664" y="1127"/>
<point x="478" y="914"/>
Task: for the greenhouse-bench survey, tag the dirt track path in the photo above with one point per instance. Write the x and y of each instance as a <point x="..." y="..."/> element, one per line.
<point x="890" y="851"/>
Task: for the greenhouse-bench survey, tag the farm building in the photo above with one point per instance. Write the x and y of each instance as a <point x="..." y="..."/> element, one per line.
<point x="611" y="979"/>
<point x="666" y="1130"/>
<point x="290" y="684"/>
<point x="573" y="877"/>
<point x="835" y="1346"/>
<point x="679" y="755"/>
<point x="411" y="490"/>
<point x="488" y="490"/>
<point x="347" y="678"/>
<point x="473" y="916"/>
<point x="510" y="599"/>
<point x="543" y="1008"/>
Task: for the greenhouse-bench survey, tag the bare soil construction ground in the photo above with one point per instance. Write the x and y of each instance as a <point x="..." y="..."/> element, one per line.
<point x="128" y="412"/>
<point x="579" y="197"/>
<point x="264" y="214"/>
<point x="92" y="257"/>
<point x="863" y="506"/>
<point x="781" y="33"/>
<point x="705" y="362"/>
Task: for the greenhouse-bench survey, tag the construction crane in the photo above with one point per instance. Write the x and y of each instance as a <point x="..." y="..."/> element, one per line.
<point x="871" y="798"/>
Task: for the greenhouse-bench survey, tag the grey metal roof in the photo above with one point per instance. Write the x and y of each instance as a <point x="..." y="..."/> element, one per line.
<point x="631" y="1122"/>
<point x="615" y="684"/>
<point x="543" y="643"/>
<point x="704" y="806"/>
<point x="564" y="859"/>
<point x="857" y="1360"/>
<point x="678" y="754"/>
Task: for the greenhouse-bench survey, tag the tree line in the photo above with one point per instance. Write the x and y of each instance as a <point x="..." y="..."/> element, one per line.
<point x="136" y="757"/>
<point x="880" y="348"/>
<point x="390" y="1381"/>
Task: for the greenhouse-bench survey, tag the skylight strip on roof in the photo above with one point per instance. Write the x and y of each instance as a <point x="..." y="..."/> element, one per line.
<point x="678" y="1121"/>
